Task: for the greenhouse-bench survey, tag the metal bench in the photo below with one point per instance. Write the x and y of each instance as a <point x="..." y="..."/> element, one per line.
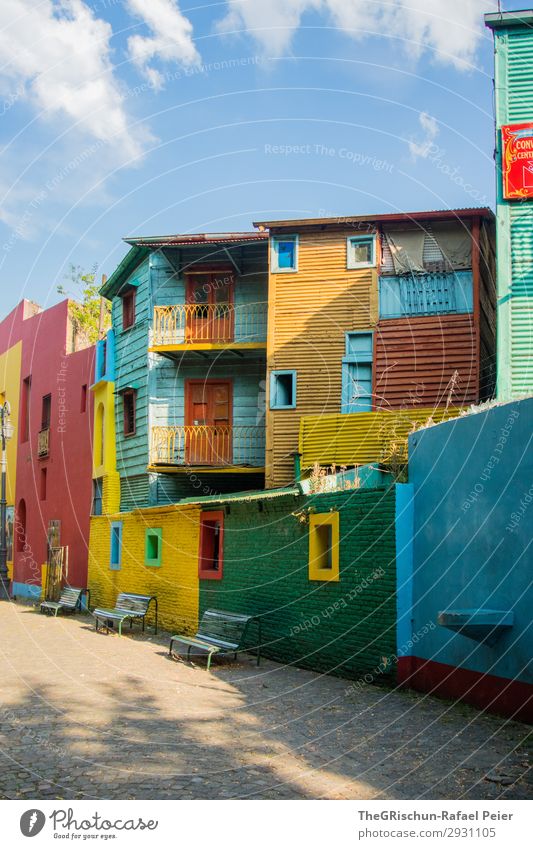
<point x="219" y="632"/>
<point x="69" y="601"/>
<point x="128" y="607"/>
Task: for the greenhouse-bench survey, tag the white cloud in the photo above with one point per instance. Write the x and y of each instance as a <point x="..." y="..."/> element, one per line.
<point x="430" y="129"/>
<point x="59" y="51"/>
<point x="171" y="40"/>
<point x="450" y="30"/>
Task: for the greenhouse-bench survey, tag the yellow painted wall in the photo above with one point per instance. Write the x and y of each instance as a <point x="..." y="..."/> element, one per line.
<point x="309" y="312"/>
<point x="175" y="582"/>
<point x="359" y="438"/>
<point x="10" y="374"/>
<point x="104" y="396"/>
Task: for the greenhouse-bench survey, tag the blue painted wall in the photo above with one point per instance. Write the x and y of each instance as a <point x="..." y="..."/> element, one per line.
<point x="473" y="509"/>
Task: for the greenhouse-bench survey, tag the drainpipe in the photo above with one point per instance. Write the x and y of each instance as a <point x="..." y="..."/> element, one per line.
<point x="297" y="458"/>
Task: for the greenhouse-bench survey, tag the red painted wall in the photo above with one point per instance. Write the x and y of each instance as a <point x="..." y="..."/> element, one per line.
<point x="46" y="336"/>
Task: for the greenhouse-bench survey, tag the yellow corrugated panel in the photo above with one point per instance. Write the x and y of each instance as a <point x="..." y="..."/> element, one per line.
<point x="358" y="438"/>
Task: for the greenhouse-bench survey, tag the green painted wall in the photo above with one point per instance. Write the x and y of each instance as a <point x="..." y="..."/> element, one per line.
<point x="345" y="627"/>
<point x="513" y="83"/>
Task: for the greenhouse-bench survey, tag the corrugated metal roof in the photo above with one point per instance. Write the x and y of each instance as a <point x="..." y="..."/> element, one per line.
<point x="195" y="238"/>
<point x="252" y="495"/>
<point x="347" y="220"/>
<point x="495" y="20"/>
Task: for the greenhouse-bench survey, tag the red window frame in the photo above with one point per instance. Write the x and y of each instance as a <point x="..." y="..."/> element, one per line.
<point x="205" y="553"/>
<point x="128" y="309"/>
<point x="129" y="393"/>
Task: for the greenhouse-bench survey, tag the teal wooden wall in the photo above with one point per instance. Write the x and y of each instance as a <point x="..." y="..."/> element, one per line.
<point x="514" y="233"/>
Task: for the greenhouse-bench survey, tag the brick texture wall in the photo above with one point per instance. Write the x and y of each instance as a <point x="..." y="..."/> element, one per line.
<point x="346" y="627"/>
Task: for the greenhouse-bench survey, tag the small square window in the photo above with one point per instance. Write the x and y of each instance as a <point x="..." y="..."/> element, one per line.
<point x="153" y="547"/>
<point x="211" y="555"/>
<point x="115" y="560"/>
<point x="283" y="390"/>
<point x="128" y="399"/>
<point x="128" y="309"/>
<point x="361" y="251"/>
<point x="324" y="547"/>
<point x="284" y="254"/>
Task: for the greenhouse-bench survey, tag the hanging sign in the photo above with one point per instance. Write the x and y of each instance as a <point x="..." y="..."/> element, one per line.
<point x="517" y="160"/>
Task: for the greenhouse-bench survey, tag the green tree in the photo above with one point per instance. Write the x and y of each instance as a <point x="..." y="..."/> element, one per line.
<point x="85" y="306"/>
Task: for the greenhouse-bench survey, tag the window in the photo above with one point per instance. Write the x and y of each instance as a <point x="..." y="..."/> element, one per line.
<point x="46" y="412"/>
<point x="83" y="401"/>
<point x="25" y="410"/>
<point x="357" y="373"/>
<point x="97" y="508"/>
<point x="128" y="310"/>
<point x="153" y="546"/>
<point x="324" y="547"/>
<point x="211" y="545"/>
<point x="283" y="390"/>
<point x="361" y="251"/>
<point x="43" y="484"/>
<point x="284" y="254"/>
<point x="128" y="399"/>
<point x="99" y="436"/>
<point x="115" y="559"/>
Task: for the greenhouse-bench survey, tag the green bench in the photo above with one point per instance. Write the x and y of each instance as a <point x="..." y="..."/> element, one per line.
<point x="69" y="601"/>
<point x="220" y="632"/>
<point x="129" y="607"/>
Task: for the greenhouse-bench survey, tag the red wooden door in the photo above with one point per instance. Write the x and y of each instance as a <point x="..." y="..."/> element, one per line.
<point x="210" y="307"/>
<point x="208" y="419"/>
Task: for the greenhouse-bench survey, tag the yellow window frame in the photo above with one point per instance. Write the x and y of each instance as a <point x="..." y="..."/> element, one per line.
<point x="324" y="546"/>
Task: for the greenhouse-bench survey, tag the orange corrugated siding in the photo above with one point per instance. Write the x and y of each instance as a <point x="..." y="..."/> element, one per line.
<point x="309" y="313"/>
<point x="416" y="358"/>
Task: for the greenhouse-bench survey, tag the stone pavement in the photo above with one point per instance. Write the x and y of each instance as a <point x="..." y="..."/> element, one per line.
<point x="85" y="715"/>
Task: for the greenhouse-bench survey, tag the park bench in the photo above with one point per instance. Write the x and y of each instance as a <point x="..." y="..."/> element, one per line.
<point x="69" y="601"/>
<point x="129" y="607"/>
<point x="219" y="632"/>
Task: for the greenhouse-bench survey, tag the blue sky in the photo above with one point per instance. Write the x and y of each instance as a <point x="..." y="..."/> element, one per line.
<point x="141" y="117"/>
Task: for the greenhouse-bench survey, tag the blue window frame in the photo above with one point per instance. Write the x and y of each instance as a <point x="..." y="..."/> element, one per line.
<point x="284" y="254"/>
<point x="357" y="373"/>
<point x="361" y="251"/>
<point x="115" y="559"/>
<point x="283" y="390"/>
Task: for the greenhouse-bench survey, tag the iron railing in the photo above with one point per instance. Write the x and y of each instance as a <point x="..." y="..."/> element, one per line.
<point x="208" y="445"/>
<point x="43" y="442"/>
<point x="190" y="324"/>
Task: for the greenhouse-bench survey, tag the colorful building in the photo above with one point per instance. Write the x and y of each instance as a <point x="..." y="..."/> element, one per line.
<point x="513" y="101"/>
<point x="369" y="316"/>
<point x="45" y="368"/>
<point x="189" y="346"/>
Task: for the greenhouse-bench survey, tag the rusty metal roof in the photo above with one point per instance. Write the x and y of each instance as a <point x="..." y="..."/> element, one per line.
<point x="194" y="239"/>
<point x="347" y="220"/>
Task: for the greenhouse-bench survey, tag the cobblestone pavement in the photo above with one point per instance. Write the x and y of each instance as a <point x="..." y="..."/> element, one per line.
<point x="86" y="715"/>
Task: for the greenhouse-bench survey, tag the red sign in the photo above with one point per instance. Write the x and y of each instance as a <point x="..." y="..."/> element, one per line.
<point x="517" y="160"/>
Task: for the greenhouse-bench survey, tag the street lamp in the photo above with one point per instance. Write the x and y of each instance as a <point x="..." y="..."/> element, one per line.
<point x="6" y="432"/>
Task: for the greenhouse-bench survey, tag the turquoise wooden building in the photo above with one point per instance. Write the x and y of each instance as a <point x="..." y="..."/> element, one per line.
<point x="189" y="318"/>
<point x="513" y="83"/>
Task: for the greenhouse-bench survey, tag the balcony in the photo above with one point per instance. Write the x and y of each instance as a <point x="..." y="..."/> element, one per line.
<point x="182" y="327"/>
<point x="425" y="294"/>
<point x="209" y="446"/>
<point x="43" y="442"/>
<point x="353" y="439"/>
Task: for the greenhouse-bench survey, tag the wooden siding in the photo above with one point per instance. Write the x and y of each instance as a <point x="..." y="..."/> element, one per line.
<point x="415" y="359"/>
<point x="131" y="352"/>
<point x="309" y="313"/>
<point x="358" y="438"/>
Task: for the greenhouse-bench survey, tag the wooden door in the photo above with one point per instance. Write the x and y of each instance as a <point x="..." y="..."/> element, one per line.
<point x="210" y="307"/>
<point x="208" y="419"/>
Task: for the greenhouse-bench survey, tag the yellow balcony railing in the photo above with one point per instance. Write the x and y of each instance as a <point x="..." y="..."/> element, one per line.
<point x="192" y="324"/>
<point x="208" y="445"/>
<point x="43" y="442"/>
